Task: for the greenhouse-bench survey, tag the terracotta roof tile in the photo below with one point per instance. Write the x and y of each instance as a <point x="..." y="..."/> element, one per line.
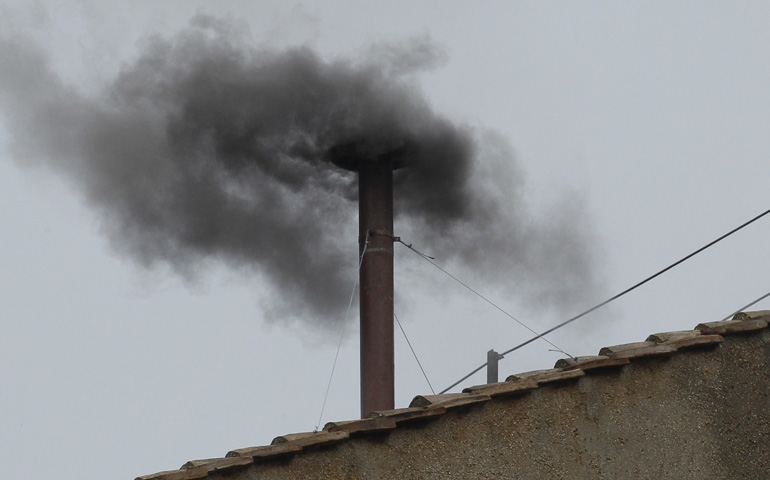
<point x="625" y="347"/>
<point x="672" y="336"/>
<point x="198" y="463"/>
<point x="411" y="414"/>
<point x="696" y="341"/>
<point x="432" y="406"/>
<point x="228" y="464"/>
<point x="591" y="363"/>
<point x="308" y="439"/>
<point x="504" y="389"/>
<point x="222" y="464"/>
<point x="265" y="451"/>
<point x="732" y="326"/>
<point x="449" y="400"/>
<point x="686" y="339"/>
<point x="551" y="375"/>
<point x="638" y="350"/>
<point x="756" y="315"/>
<point x="366" y="425"/>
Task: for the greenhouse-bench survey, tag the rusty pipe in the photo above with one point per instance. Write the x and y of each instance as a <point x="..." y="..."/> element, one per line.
<point x="375" y="186"/>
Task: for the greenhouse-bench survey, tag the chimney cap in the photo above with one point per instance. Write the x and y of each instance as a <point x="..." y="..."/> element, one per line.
<point x="350" y="155"/>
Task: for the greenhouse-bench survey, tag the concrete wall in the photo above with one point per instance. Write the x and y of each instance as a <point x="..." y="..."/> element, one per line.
<point x="696" y="414"/>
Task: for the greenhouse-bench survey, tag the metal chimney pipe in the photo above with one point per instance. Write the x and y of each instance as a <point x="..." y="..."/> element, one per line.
<point x="375" y="187"/>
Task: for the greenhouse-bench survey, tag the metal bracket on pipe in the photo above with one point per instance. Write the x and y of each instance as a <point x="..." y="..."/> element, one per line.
<point x="380" y="233"/>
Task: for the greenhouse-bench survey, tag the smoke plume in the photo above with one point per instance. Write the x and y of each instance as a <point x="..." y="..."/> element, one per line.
<point x="207" y="149"/>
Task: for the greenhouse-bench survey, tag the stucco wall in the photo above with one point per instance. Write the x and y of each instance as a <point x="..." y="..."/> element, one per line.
<point x="696" y="414"/>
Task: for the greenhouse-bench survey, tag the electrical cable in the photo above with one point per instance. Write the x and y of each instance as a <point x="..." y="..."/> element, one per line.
<point x="615" y="297"/>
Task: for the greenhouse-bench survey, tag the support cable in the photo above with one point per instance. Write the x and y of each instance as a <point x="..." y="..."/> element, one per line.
<point x="414" y="353"/>
<point x="431" y="261"/>
<point x="342" y="334"/>
<point x="615" y="297"/>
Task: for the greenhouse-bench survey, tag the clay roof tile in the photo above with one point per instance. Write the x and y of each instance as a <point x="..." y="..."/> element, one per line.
<point x="732" y="326"/>
<point x="307" y="439"/>
<point x="504" y="389"/>
<point x="552" y="375"/>
<point x="449" y="400"/>
<point x="366" y="425"/>
<point x="591" y="363"/>
<point x="411" y="414"/>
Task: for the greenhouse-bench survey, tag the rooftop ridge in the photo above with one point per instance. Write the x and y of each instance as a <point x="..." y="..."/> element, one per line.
<point x="430" y="407"/>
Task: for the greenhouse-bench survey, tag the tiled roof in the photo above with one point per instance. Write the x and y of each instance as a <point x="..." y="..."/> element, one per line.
<point x="428" y="407"/>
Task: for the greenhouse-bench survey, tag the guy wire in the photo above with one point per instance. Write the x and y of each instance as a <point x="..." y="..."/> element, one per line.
<point x="342" y="335"/>
<point x="430" y="260"/>
<point x="413" y="353"/>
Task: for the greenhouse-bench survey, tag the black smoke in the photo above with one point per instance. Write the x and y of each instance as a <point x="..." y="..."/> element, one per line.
<point x="207" y="149"/>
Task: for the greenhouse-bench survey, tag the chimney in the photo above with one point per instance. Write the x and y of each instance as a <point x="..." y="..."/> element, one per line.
<point x="375" y="227"/>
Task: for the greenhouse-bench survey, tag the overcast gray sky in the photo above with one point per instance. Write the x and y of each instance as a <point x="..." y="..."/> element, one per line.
<point x="642" y="126"/>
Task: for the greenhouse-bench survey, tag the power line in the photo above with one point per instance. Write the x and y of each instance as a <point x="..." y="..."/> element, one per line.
<point x="615" y="297"/>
